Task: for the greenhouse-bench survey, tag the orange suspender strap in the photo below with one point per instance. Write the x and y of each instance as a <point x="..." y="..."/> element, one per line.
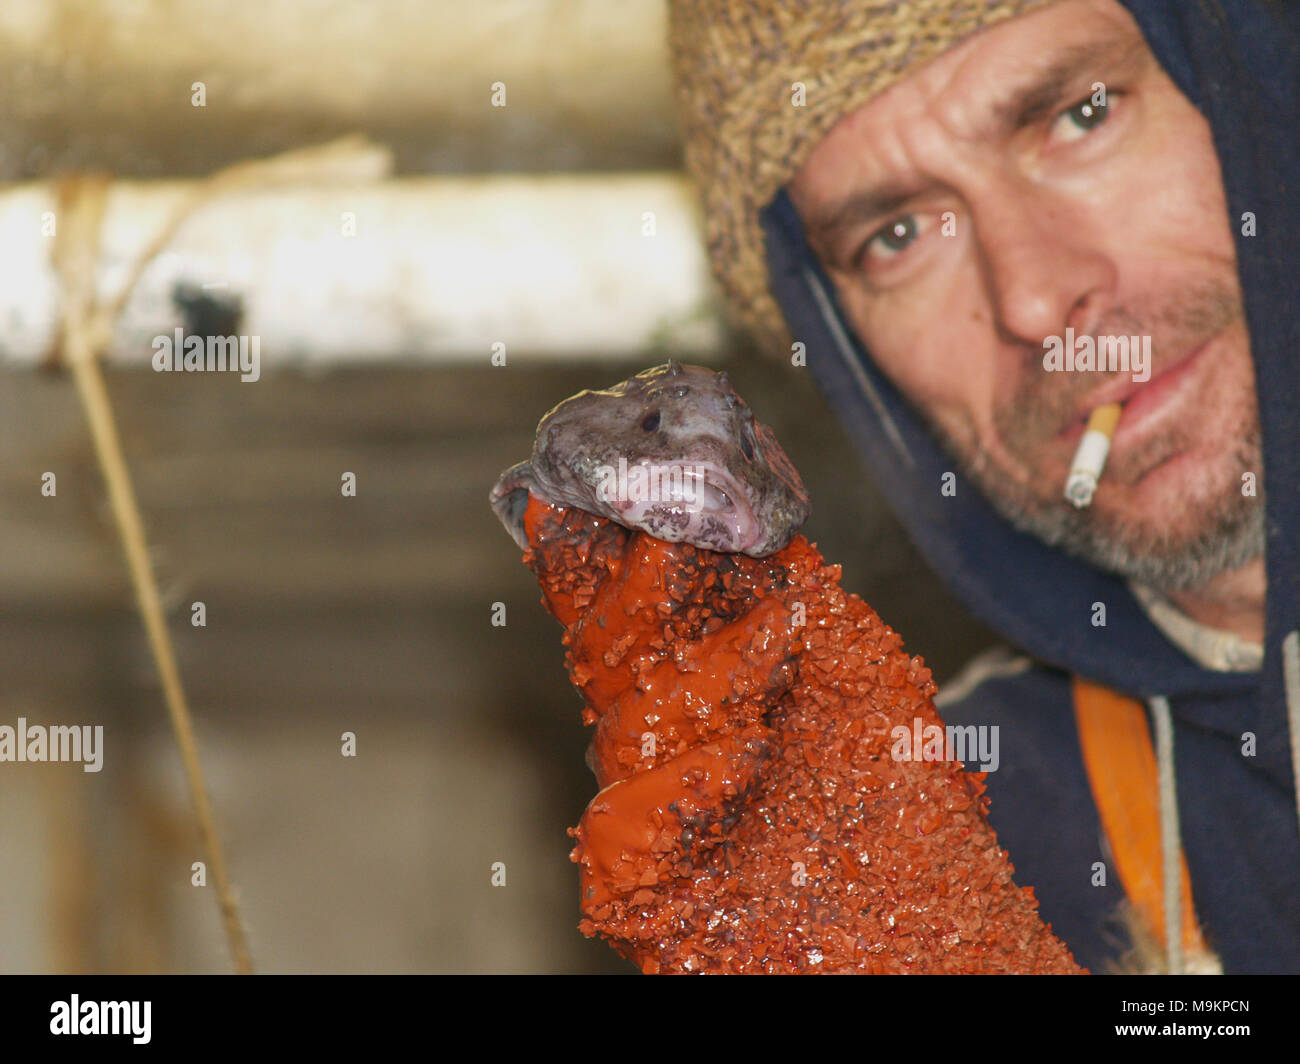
<point x="1121" y="766"/>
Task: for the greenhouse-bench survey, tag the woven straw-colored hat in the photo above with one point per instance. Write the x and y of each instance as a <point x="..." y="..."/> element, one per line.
<point x="736" y="64"/>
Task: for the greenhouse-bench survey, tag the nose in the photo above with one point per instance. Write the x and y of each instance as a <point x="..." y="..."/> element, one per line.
<point x="1045" y="262"/>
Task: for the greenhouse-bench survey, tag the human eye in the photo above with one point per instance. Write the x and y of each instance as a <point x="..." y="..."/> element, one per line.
<point x="1081" y="118"/>
<point x="889" y="242"/>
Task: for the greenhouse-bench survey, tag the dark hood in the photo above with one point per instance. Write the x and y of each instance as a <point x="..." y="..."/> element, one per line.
<point x="1239" y="64"/>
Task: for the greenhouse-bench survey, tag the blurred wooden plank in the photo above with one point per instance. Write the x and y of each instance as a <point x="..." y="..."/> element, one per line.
<point x="74" y="946"/>
<point x="106" y="84"/>
<point x="240" y="487"/>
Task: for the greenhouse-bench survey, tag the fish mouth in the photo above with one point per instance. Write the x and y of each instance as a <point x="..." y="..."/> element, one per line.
<point x="701" y="504"/>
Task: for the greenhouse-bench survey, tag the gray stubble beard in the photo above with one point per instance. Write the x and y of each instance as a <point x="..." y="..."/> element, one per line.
<point x="1231" y="534"/>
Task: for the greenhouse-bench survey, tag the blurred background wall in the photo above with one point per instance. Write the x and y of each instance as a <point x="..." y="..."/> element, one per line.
<point x="328" y="614"/>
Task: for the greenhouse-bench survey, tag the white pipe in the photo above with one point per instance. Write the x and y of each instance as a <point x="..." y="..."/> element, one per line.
<point x="419" y="270"/>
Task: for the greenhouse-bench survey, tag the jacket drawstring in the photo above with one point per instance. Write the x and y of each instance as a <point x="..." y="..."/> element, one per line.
<point x="1170" y="831"/>
<point x="850" y="361"/>
<point x="1291" y="684"/>
<point x="1171" y="840"/>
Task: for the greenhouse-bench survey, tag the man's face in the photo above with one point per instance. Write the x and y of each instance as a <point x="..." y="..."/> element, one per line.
<point x="1109" y="220"/>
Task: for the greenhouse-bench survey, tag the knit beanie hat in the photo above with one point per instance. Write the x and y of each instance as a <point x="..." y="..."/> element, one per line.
<point x="737" y="67"/>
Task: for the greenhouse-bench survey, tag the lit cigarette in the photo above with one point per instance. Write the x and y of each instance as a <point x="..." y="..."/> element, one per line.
<point x="1090" y="458"/>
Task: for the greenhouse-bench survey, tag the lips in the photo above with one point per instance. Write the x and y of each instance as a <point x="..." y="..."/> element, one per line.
<point x="706" y="495"/>
<point x="1136" y="397"/>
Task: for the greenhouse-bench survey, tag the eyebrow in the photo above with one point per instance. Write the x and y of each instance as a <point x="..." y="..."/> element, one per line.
<point x="1030" y="102"/>
<point x="1019" y="108"/>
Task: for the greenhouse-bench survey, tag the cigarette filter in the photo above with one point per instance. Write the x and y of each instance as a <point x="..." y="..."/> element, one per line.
<point x="1090" y="458"/>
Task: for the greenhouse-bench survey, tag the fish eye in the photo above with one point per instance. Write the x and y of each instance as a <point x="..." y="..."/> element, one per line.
<point x="651" y="421"/>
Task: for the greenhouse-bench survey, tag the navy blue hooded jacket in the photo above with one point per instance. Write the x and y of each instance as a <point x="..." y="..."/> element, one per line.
<point x="1238" y="62"/>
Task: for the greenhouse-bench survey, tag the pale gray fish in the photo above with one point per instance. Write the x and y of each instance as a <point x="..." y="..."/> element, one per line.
<point x="672" y="451"/>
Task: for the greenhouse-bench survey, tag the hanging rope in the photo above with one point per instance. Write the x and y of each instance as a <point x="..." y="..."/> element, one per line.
<point x="87" y="329"/>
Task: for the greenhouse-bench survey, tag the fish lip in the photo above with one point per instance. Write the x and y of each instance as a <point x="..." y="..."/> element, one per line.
<point x="749" y="530"/>
<point x="742" y="518"/>
<point x="736" y="511"/>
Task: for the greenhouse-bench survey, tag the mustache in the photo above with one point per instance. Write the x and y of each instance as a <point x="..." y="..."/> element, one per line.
<point x="1042" y="401"/>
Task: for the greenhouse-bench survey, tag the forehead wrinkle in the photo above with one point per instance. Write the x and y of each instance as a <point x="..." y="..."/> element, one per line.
<point x="1037" y="94"/>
